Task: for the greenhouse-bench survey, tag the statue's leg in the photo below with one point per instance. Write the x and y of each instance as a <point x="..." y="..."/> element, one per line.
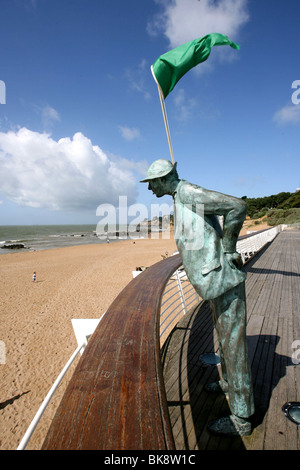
<point x="229" y="311"/>
<point x="214" y="309"/>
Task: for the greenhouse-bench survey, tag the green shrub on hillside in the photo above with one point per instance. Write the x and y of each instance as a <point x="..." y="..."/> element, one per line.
<point x="292" y="202"/>
<point x="261" y="206"/>
<point x="283" y="216"/>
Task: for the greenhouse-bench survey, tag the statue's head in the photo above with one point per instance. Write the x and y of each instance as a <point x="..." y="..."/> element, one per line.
<point x="161" y="176"/>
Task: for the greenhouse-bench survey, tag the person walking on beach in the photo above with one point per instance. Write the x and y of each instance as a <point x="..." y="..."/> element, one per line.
<point x="34" y="277"/>
<point x="214" y="268"/>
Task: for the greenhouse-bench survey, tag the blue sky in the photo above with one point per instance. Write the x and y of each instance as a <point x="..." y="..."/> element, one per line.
<point x="81" y="119"/>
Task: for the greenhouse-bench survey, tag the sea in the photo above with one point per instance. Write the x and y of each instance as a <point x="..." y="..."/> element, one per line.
<point x="16" y="238"/>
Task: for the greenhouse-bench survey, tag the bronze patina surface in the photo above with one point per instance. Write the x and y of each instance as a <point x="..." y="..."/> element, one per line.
<point x="215" y="269"/>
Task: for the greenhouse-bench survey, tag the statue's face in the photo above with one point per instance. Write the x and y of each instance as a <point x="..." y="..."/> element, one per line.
<point x="157" y="187"/>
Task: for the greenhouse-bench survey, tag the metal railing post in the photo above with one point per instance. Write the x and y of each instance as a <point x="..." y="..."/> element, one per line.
<point x="180" y="292"/>
<point x="43" y="406"/>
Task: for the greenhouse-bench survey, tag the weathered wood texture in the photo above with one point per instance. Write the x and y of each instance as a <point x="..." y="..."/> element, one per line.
<point x="116" y="397"/>
<point x="273" y="306"/>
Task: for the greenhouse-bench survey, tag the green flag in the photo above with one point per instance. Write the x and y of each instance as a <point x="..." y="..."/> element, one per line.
<point x="170" y="67"/>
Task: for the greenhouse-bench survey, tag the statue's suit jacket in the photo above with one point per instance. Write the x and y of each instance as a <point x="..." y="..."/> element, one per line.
<point x="201" y="241"/>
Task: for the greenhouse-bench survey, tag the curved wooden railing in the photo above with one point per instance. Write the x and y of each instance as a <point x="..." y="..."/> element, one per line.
<point x="116" y="396"/>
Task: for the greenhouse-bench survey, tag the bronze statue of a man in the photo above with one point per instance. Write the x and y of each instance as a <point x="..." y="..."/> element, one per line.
<point x="214" y="268"/>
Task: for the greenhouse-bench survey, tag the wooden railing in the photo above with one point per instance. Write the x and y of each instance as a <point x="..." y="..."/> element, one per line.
<point x="116" y="397"/>
<point x="248" y="245"/>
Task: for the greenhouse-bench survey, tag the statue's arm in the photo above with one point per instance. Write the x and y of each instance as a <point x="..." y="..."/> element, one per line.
<point x="232" y="208"/>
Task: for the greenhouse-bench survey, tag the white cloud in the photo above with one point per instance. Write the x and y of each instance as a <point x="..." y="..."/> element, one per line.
<point x="136" y="77"/>
<point x="289" y="114"/>
<point x="68" y="174"/>
<point x="184" y="20"/>
<point x="184" y="105"/>
<point x="129" y="133"/>
<point x="49" y="116"/>
<point x="141" y="166"/>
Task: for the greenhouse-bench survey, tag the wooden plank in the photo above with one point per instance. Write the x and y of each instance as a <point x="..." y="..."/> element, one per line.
<point x="274" y="424"/>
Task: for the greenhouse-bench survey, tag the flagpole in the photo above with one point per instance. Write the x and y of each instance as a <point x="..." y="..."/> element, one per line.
<point x="164" y="112"/>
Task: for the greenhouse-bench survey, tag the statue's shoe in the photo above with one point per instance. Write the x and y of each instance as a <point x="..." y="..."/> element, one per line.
<point x="217" y="387"/>
<point x="230" y="426"/>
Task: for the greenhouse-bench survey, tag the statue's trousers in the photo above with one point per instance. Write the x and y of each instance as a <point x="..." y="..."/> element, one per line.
<point x="229" y="314"/>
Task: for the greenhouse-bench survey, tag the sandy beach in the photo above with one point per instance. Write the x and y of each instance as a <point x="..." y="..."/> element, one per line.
<point x="36" y="329"/>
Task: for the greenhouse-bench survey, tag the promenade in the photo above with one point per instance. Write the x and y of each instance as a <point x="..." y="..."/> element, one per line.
<point x="273" y="307"/>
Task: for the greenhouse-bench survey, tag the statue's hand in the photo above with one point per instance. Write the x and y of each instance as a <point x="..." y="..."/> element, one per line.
<point x="235" y="260"/>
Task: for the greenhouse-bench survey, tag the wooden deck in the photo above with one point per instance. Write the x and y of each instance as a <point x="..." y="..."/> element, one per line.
<point x="273" y="304"/>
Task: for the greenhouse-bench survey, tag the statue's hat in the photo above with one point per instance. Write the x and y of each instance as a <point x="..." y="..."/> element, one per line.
<point x="158" y="169"/>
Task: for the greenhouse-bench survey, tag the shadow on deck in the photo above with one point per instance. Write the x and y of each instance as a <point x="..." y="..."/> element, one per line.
<point x="273" y="302"/>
